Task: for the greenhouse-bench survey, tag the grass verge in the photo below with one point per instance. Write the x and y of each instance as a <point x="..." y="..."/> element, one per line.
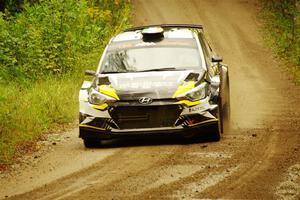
<point x="32" y="107"/>
<point x="281" y="29"/>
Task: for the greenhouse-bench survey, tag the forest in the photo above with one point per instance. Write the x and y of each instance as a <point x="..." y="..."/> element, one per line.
<point x="45" y="46"/>
<point x="281" y="19"/>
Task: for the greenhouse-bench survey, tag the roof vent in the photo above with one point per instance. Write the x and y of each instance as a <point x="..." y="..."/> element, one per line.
<point x="153" y="34"/>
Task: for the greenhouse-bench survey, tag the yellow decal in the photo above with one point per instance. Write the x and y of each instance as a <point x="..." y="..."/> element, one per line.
<point x="204" y="122"/>
<point x="100" y="107"/>
<point x="109" y="91"/>
<point x="188" y="102"/>
<point x="88" y="126"/>
<point x="186" y="86"/>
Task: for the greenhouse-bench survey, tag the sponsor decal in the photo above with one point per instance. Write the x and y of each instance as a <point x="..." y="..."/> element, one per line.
<point x="145" y="85"/>
<point x="145" y="44"/>
<point x="196" y="109"/>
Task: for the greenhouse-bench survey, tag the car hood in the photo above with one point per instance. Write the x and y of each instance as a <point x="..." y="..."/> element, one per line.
<point x="156" y="85"/>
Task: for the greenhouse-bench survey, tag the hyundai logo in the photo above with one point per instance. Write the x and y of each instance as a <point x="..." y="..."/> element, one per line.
<point x="145" y="100"/>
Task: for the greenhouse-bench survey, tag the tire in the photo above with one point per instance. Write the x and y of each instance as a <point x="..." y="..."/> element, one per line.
<point x="217" y="129"/>
<point x="224" y="105"/>
<point x="226" y="108"/>
<point x="91" y="142"/>
<point x="189" y="137"/>
<point x="215" y="134"/>
<point x="220" y="116"/>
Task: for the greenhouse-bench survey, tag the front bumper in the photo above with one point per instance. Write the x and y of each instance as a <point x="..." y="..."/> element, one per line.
<point x="103" y="122"/>
<point x="92" y="132"/>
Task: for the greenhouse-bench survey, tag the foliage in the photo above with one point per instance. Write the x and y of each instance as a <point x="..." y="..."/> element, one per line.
<point x="11" y="6"/>
<point x="43" y="52"/>
<point x="50" y="37"/>
<point x="282" y="18"/>
<point x="26" y="113"/>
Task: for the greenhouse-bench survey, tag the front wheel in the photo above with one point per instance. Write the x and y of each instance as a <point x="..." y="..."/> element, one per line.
<point x="226" y="108"/>
<point x="216" y="130"/>
<point x="214" y="133"/>
<point x="91" y="142"/>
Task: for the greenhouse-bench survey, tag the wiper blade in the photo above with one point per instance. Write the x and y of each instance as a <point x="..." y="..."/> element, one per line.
<point x="159" y="69"/>
<point x="116" y="72"/>
<point x="147" y="70"/>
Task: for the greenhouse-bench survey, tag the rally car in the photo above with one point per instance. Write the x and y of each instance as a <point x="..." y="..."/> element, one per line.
<point x="155" y="79"/>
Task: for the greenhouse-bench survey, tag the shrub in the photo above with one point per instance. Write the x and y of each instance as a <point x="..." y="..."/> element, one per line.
<point x="43" y="51"/>
<point x="50" y="36"/>
<point x="282" y="22"/>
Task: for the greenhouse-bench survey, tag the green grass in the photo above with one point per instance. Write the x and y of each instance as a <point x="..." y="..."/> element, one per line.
<point x="28" y="112"/>
<point x="42" y="68"/>
<point x="281" y="29"/>
<point x="30" y="109"/>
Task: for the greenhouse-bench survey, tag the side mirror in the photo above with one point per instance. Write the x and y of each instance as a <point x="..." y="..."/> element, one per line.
<point x="215" y="81"/>
<point x="90" y="73"/>
<point x="85" y="85"/>
<point x="216" y="58"/>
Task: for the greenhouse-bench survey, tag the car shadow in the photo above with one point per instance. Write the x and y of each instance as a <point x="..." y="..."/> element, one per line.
<point x="154" y="140"/>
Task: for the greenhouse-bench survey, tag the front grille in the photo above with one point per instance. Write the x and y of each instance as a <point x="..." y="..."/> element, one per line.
<point x="128" y="117"/>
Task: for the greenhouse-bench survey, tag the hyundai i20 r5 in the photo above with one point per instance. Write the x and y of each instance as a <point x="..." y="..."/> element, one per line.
<point x="155" y="79"/>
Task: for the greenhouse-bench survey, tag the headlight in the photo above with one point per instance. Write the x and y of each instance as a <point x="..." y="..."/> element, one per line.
<point x="96" y="98"/>
<point x="196" y="93"/>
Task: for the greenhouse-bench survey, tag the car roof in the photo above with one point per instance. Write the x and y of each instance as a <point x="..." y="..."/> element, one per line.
<point x="170" y="31"/>
<point x="173" y="33"/>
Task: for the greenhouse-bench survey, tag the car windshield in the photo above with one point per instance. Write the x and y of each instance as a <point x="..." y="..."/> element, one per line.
<point x="152" y="58"/>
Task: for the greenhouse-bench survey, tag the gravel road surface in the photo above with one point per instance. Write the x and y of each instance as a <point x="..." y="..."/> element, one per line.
<point x="257" y="158"/>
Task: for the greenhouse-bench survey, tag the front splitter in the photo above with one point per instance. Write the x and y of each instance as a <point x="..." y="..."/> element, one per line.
<point x="94" y="132"/>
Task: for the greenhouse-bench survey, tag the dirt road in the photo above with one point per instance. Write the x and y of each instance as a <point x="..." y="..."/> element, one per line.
<point x="259" y="158"/>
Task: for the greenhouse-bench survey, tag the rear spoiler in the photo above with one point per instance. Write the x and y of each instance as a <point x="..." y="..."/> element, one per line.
<point x="166" y="26"/>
